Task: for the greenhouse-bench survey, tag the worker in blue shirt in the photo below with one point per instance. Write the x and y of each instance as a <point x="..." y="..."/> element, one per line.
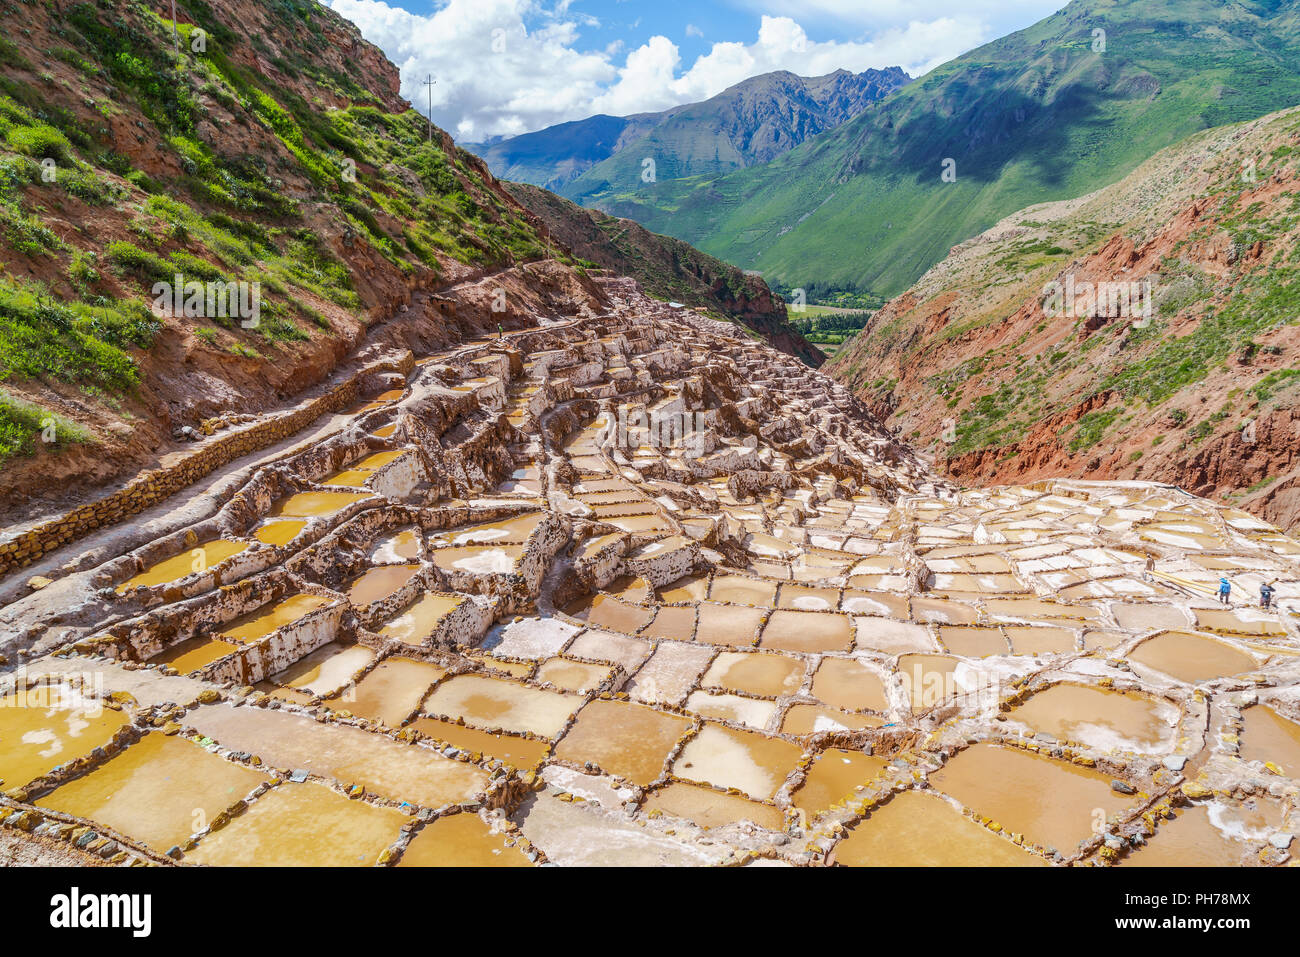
<point x="1225" y="591"/>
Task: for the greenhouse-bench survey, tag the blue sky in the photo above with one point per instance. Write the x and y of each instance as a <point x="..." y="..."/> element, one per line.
<point x="511" y="66"/>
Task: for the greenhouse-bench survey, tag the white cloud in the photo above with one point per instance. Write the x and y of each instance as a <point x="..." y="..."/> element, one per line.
<point x="693" y="31"/>
<point x="510" y="66"/>
<point x="1006" y="15"/>
<point x="652" y="81"/>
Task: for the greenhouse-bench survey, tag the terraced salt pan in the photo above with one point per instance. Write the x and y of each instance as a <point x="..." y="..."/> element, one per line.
<point x="530" y="638"/>
<point x="641" y="523"/>
<point x="1101" y="719"/>
<point x="390" y="692"/>
<point x="881" y="604"/>
<point x="754" y="764"/>
<point x="402" y="546"/>
<point x="348" y="755"/>
<point x="575" y="676"/>
<point x="47" y="726"/>
<point x="939" y="611"/>
<point x="198" y="559"/>
<point x="260" y="623"/>
<point x="673" y="622"/>
<point x="325" y="670"/>
<point x="302" y="825"/>
<point x="1190" y="840"/>
<point x="805" y="719"/>
<point x="316" y="504"/>
<point x="760" y="674"/>
<point x="629" y="589"/>
<point x="1191" y="658"/>
<point x="1104" y="640"/>
<point x="158" y="791"/>
<point x="669" y="674"/>
<point x="976" y="577"/>
<point x="576" y="836"/>
<point x="1113" y="588"/>
<point x="1181" y="537"/>
<point x="691" y="588"/>
<point x="491" y="703"/>
<point x="348" y="478"/>
<point x="835" y="775"/>
<point x="460" y="840"/>
<point x="740" y="590"/>
<point x="381" y="581"/>
<point x="627" y="740"/>
<point x="1144" y="617"/>
<point x="752" y="712"/>
<point x="415" y="623"/>
<point x="1052" y="803"/>
<point x="606" y="611"/>
<point x="930" y="680"/>
<point x="280" y="533"/>
<point x="1034" y="609"/>
<point x="807" y="631"/>
<point x="732" y="625"/>
<point x="629" y="510"/>
<point x="708" y="808"/>
<point x="917" y="829"/>
<point x="1032" y="640"/>
<point x="849" y="685"/>
<point x="1267" y="736"/>
<point x="808" y="598"/>
<point x="974" y="642"/>
<point x="190" y="655"/>
<point x="891" y="637"/>
<point x="511" y="531"/>
<point x="979" y="584"/>
<point x="478" y="559"/>
<point x="1241" y="622"/>
<point x="616" y="649"/>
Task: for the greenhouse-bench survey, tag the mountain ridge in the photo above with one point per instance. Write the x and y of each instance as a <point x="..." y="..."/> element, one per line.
<point x="1035" y="116"/>
<point x="750" y="122"/>
<point x="981" y="363"/>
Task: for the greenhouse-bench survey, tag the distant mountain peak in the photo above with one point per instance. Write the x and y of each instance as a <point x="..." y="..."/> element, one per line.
<point x="752" y="121"/>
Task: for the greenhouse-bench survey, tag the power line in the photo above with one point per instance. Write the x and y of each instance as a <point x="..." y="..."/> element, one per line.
<point x="430" y="82"/>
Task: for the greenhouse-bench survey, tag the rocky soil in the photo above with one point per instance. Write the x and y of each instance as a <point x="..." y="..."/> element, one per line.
<point x="970" y="366"/>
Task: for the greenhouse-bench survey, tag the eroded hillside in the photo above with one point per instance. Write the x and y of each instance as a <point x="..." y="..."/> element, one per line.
<point x="668" y="268"/>
<point x="263" y="147"/>
<point x="1002" y="377"/>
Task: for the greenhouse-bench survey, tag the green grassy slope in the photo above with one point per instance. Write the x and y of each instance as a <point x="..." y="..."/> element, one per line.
<point x="270" y="148"/>
<point x="1034" y="116"/>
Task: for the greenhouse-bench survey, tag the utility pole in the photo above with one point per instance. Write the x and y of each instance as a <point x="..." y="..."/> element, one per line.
<point x="430" y="84"/>
<point x="176" y="37"/>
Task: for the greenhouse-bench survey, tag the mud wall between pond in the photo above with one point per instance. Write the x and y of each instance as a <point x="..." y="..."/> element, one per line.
<point x="154" y="486"/>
